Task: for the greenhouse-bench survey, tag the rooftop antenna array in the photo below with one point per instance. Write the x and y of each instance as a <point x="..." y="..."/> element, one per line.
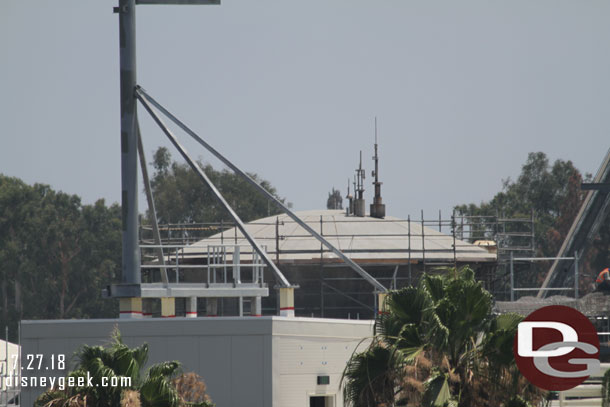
<point x="359" y="205"/>
<point x="377" y="207"/>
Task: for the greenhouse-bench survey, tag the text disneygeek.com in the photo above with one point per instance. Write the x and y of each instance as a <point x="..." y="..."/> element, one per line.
<point x="62" y="382"/>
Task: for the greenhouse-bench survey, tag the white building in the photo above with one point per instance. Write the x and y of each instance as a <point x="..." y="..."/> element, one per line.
<point x="9" y="367"/>
<point x="264" y="361"/>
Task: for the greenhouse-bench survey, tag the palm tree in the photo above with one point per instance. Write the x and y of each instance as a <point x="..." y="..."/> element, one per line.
<point x="438" y="344"/>
<point x="114" y="362"/>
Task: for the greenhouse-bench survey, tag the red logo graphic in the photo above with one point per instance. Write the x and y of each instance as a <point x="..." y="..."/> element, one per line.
<point x="556" y="348"/>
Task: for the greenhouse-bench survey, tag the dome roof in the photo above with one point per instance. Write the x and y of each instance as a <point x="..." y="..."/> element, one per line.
<point x="363" y="239"/>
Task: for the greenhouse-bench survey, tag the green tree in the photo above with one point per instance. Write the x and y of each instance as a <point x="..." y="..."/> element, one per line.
<point x="56" y="254"/>
<point x="335" y="200"/>
<point x="18" y="202"/>
<point x="155" y="388"/>
<point x="181" y="197"/>
<point x="438" y="344"/>
<point x="552" y="192"/>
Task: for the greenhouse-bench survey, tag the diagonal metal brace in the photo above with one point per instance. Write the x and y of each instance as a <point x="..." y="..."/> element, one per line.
<point x="283" y="282"/>
<point x="151" y="205"/>
<point x="142" y="95"/>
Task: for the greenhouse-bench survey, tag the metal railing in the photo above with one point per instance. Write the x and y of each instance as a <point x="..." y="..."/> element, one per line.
<point x="223" y="266"/>
<point x="535" y="259"/>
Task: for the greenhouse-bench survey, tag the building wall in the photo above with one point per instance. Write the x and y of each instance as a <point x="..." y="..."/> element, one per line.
<point x="267" y="361"/>
<point x="305" y="348"/>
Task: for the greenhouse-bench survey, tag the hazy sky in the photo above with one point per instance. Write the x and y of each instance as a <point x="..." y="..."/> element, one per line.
<point x="463" y="90"/>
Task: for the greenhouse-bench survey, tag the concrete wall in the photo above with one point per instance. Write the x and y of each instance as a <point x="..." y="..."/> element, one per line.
<point x="267" y="361"/>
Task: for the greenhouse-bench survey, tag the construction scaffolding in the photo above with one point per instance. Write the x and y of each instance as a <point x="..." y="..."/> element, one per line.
<point x="396" y="256"/>
<point x="513" y="237"/>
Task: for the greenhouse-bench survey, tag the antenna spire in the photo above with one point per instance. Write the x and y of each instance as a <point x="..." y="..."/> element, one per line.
<point x="359" y="206"/>
<point x="350" y="199"/>
<point x="377" y="207"/>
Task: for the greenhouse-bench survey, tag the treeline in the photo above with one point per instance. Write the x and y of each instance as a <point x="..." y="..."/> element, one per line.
<point x="56" y="254"/>
<point x="552" y="191"/>
<point x="181" y="197"/>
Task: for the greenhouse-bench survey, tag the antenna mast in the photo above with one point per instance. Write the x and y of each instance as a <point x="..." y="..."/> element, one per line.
<point x="350" y="199"/>
<point x="359" y="206"/>
<point x="377" y="207"/>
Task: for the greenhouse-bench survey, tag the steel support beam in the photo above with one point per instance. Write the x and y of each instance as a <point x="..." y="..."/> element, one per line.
<point x="151" y="206"/>
<point x="283" y="282"/>
<point x="143" y="96"/>
<point x="130" y="267"/>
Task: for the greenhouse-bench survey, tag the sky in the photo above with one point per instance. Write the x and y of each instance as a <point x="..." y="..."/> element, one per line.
<point x="463" y="91"/>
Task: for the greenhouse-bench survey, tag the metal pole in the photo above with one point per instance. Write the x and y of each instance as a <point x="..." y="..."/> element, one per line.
<point x="409" y="241"/>
<point x="145" y="99"/>
<point x="453" y="226"/>
<point x="512" y="278"/>
<point x="423" y="244"/>
<point x="321" y="270"/>
<point x="394" y="277"/>
<point x="576" y="274"/>
<point x="277" y="240"/>
<point x="129" y="153"/>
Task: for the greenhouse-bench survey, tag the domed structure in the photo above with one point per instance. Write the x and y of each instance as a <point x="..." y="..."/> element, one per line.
<point x="394" y="251"/>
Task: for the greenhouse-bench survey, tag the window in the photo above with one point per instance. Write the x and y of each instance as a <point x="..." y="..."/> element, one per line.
<point x="321" y="401"/>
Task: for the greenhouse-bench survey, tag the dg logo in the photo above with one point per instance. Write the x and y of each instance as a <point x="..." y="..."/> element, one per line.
<point x="556" y="348"/>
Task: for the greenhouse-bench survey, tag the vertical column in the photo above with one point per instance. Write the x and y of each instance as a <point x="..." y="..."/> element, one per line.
<point x="130" y="307"/>
<point x="168" y="307"/>
<point x="147" y="307"/>
<point x="129" y="153"/>
<point x="381" y="303"/>
<point x="287" y="301"/>
<point x="191" y="307"/>
<point x="256" y="309"/>
<point x="211" y="308"/>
